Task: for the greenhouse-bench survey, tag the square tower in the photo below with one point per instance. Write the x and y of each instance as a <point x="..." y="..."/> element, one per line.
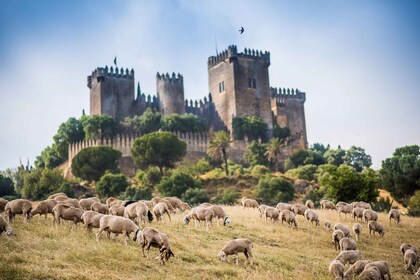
<point x="239" y="85"/>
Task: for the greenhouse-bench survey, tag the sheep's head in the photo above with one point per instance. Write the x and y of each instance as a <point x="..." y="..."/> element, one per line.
<point x="222" y="256"/>
<point x="227" y="221"/>
<point x="137" y="235"/>
<point x="165" y="254"/>
<point x="10" y="233"/>
<point x="186" y="220"/>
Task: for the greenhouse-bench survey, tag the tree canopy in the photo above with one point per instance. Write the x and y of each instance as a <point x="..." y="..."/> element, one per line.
<point x="219" y="146"/>
<point x="256" y="154"/>
<point x="6" y="186"/>
<point x="99" y="126"/>
<point x="41" y="182"/>
<point x="274" y="151"/>
<point x="251" y="126"/>
<point x="357" y="157"/>
<point x="111" y="184"/>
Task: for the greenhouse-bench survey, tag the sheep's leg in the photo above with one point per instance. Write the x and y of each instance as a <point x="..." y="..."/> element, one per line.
<point x="169" y="216"/>
<point x="195" y="222"/>
<point x="237" y="259"/>
<point x="98" y="233"/>
<point x="148" y="250"/>
<point x="266" y="219"/>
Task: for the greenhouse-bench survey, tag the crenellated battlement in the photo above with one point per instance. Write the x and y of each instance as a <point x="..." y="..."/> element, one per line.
<point x="173" y="79"/>
<point x="232" y="51"/>
<point x="256" y="54"/>
<point x="281" y="94"/>
<point x="116" y="72"/>
<point x="196" y="104"/>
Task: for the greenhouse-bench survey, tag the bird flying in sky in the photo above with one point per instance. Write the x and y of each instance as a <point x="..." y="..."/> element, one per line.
<point x="241" y="30"/>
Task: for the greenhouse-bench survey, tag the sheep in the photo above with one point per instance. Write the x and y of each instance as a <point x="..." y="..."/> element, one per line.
<point x="345" y="229"/>
<point x="370" y="215"/>
<point x="151" y="237"/>
<point x="71" y="201"/>
<point x="113" y="201"/>
<point x="284" y="206"/>
<point x="100" y="208"/>
<point x="68" y="213"/>
<point x="312" y="216"/>
<point x="410" y="259"/>
<point x="336" y="268"/>
<point x="148" y="203"/>
<point x="355" y="269"/>
<point x="5" y="227"/>
<point x="371" y="273"/>
<point x="185" y="206"/>
<point x="59" y="197"/>
<point x="117" y="210"/>
<point x="326" y="204"/>
<point x="299" y="209"/>
<point x="374" y="226"/>
<point x="357" y="229"/>
<point x="53" y="196"/>
<point x="383" y="267"/>
<point x="336" y="236"/>
<point x="219" y="213"/>
<point x="86" y="203"/>
<point x="169" y="204"/>
<point x="235" y="246"/>
<point x="176" y="202"/>
<point x="361" y="204"/>
<point x="156" y="200"/>
<point x="349" y="256"/>
<point x="138" y="210"/>
<point x="309" y="204"/>
<point x="159" y="210"/>
<point x="345" y="208"/>
<point x="289" y="217"/>
<point x="394" y="214"/>
<point x="272" y="213"/>
<point x="347" y="244"/>
<point x="117" y="225"/>
<point x="91" y="219"/>
<point x="3" y="203"/>
<point x="262" y="208"/>
<point x="200" y="214"/>
<point x="44" y="207"/>
<point x="249" y="203"/>
<point x="404" y="247"/>
<point x="327" y="226"/>
<point x="18" y="206"/>
<point x="357" y="213"/>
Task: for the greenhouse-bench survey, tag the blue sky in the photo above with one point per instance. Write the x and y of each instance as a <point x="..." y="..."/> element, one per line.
<point x="358" y="61"/>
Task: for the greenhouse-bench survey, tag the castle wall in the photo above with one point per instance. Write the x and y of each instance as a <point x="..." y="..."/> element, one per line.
<point x="170" y="93"/>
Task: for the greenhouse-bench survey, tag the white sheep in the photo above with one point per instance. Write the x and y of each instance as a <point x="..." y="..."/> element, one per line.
<point x="18" y="206"/>
<point x="139" y="211"/>
<point x="289" y="217"/>
<point x="349" y="256"/>
<point x="200" y="214"/>
<point x="53" y="196"/>
<point x="262" y="208"/>
<point x="249" y="203"/>
<point x="91" y="219"/>
<point x="347" y="244"/>
<point x="168" y="202"/>
<point x="357" y="213"/>
<point x="309" y="204"/>
<point x="68" y="213"/>
<point x="110" y="201"/>
<point x="176" y="203"/>
<point x="117" y="225"/>
<point x="86" y="203"/>
<point x="361" y="204"/>
<point x="394" y="214"/>
<point x="151" y="237"/>
<point x="159" y="210"/>
<point x="44" y="207"/>
<point x="235" y="246"/>
<point x="383" y="267"/>
<point x="272" y="213"/>
<point x="299" y="209"/>
<point x="284" y="206"/>
<point x="156" y="200"/>
<point x="3" y="203"/>
<point x="357" y="229"/>
<point x="410" y="259"/>
<point x="219" y="213"/>
<point x="336" y="236"/>
<point x="312" y="216"/>
<point x="100" y="208"/>
<point x="404" y="247"/>
<point x="327" y="225"/>
<point x="5" y="227"/>
<point x="343" y="207"/>
<point x="336" y="268"/>
<point x="345" y="229"/>
<point x="374" y="226"/>
<point x="370" y="215"/>
<point x="117" y="210"/>
<point x="370" y="273"/>
<point x="326" y="204"/>
<point x="355" y="269"/>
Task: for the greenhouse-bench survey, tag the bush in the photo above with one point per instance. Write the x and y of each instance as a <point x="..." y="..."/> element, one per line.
<point x="234" y="168"/>
<point x="111" y="184"/>
<point x="275" y="189"/>
<point x="303" y="157"/>
<point x="6" y="186"/>
<point x="177" y="184"/>
<point x="40" y="183"/>
<point x="138" y="193"/>
<point x="382" y="205"/>
<point x="414" y="204"/>
<point x="149" y="177"/>
<point x="195" y="196"/>
<point x="260" y="170"/>
<point x="306" y="172"/>
<point x="202" y="166"/>
<point x="215" y="173"/>
<point x="227" y="196"/>
<point x="256" y="154"/>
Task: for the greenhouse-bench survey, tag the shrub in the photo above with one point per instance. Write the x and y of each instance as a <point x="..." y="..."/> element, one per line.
<point x="227" y="196"/>
<point x="316" y="195"/>
<point x="138" y="193"/>
<point x="40" y="183"/>
<point x="260" y="170"/>
<point x="195" y="196"/>
<point x="111" y="184"/>
<point x="6" y="186"/>
<point x="234" y="168"/>
<point x="149" y="177"/>
<point x="306" y="172"/>
<point x="177" y="184"/>
<point x="215" y="173"/>
<point x="256" y="154"/>
<point x="202" y="166"/>
<point x="382" y="205"/>
<point x="275" y="189"/>
<point x="414" y="204"/>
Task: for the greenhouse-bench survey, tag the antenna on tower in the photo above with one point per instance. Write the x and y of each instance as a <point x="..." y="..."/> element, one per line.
<point x="215" y="42"/>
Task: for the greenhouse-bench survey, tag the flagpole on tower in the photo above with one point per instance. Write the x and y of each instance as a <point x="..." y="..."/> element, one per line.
<point x="115" y="60"/>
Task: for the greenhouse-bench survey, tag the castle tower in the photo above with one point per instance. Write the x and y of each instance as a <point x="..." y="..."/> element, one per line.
<point x="170" y="93"/>
<point x="111" y="92"/>
<point x="239" y="85"/>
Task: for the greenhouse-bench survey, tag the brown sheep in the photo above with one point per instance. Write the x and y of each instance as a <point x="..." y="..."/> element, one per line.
<point x="151" y="237"/>
<point x="67" y="213"/>
<point x="345" y="229"/>
<point x="117" y="210"/>
<point x="374" y="226"/>
<point x="383" y="267"/>
<point x="91" y="219"/>
<point x="343" y="207"/>
<point x="410" y="259"/>
<point x="336" y="268"/>
<point x="86" y="203"/>
<point x="336" y="236"/>
<point x="311" y="216"/>
<point x="53" y="196"/>
<point x="113" y="201"/>
<point x="357" y="229"/>
<point x="117" y="225"/>
<point x="44" y="207"/>
<point x="235" y="246"/>
<point x="249" y="203"/>
<point x="272" y="213"/>
<point x="5" y="227"/>
<point x="326" y="204"/>
<point x="299" y="209"/>
<point x="200" y="214"/>
<point x="395" y="215"/>
<point x="284" y="206"/>
<point x="219" y="213"/>
<point x="18" y="206"/>
<point x="357" y="213"/>
<point x="347" y="244"/>
<point x="139" y="211"/>
<point x="310" y="204"/>
<point x="289" y="217"/>
<point x="404" y="247"/>
<point x="100" y="208"/>
<point x="355" y="269"/>
<point x="262" y="208"/>
<point x="3" y="203"/>
<point x="159" y="210"/>
<point x="370" y="215"/>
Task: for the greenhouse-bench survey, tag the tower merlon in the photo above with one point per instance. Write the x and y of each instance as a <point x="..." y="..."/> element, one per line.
<point x="101" y="72"/>
<point x="288" y="93"/>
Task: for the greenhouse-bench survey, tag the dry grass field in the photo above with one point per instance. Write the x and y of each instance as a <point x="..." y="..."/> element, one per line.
<point x="41" y="251"/>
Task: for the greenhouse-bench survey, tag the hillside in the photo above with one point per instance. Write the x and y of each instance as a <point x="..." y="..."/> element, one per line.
<point x="43" y="252"/>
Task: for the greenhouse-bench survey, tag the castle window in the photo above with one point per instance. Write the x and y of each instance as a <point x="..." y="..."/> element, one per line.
<point x="252" y="83"/>
<point x="221" y="87"/>
<point x="249" y="82"/>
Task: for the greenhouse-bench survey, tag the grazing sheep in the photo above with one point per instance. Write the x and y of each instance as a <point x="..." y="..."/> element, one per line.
<point x="336" y="268"/>
<point x="262" y="208"/>
<point x="68" y="213"/>
<point x="361" y="204"/>
<point x="59" y="197"/>
<point x="117" y="225"/>
<point x="410" y="259"/>
<point x="18" y="206"/>
<point x="151" y="237"/>
<point x="5" y="227"/>
<point x="3" y="203"/>
<point x="100" y="208"/>
<point x="200" y="214"/>
<point x="345" y="229"/>
<point x="70" y="201"/>
<point x="91" y="219"/>
<point x="148" y="203"/>
<point x="371" y="273"/>
<point x="357" y="229"/>
<point x="44" y="207"/>
<point x="309" y="204"/>
<point x="289" y="217"/>
<point x="327" y="225"/>
<point x="159" y="210"/>
<point x="53" y="196"/>
<point x="219" y="213"/>
<point x="374" y="226"/>
<point x="110" y="201"/>
<point x="349" y="256"/>
<point x="272" y="213"/>
<point x="326" y="204"/>
<point x="235" y="246"/>
<point x="139" y="211"/>
<point x="176" y="202"/>
<point x="284" y="206"/>
<point x="345" y="208"/>
<point x="312" y="216"/>
<point x="347" y="244"/>
<point x="383" y="267"/>
<point x="156" y="200"/>
<point x="370" y="215"/>
<point x="169" y="204"/>
<point x="394" y="214"/>
<point x="357" y="213"/>
<point x="404" y="247"/>
<point x="355" y="269"/>
<point x="249" y="203"/>
<point x="86" y="203"/>
<point x="336" y="236"/>
<point x="299" y="209"/>
<point x="185" y="206"/>
<point x="117" y="210"/>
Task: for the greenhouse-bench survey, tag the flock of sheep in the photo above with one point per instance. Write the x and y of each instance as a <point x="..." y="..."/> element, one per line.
<point x="124" y="217"/>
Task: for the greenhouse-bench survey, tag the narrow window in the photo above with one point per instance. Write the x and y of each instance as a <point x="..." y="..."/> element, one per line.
<point x="249" y="82"/>
<point x="254" y="83"/>
<point x="221" y="87"/>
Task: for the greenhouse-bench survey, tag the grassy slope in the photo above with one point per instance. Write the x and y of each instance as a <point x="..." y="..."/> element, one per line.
<point x="43" y="252"/>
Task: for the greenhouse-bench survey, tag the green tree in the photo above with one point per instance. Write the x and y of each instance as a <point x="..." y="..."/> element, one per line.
<point x="183" y="123"/>
<point x="256" y="154"/>
<point x="6" y="186"/>
<point x="305" y="172"/>
<point x="400" y="174"/>
<point x="303" y="157"/>
<point x="320" y="148"/>
<point x="195" y="196"/>
<point x="274" y="151"/>
<point x="414" y="204"/>
<point x="40" y="183"/>
<point x="99" y="126"/>
<point x="274" y="189"/>
<point x="280" y="132"/>
<point x="68" y="132"/>
<point x="335" y="157"/>
<point x="251" y="126"/>
<point x="150" y="121"/>
<point x="219" y="146"/>
<point x="111" y="184"/>
<point x="161" y="149"/>
<point x="177" y="184"/>
<point x="132" y="125"/>
<point x="91" y="163"/>
<point x="357" y="157"/>
<point x="49" y="158"/>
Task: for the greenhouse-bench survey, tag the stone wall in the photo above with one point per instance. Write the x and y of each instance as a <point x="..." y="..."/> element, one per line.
<point x="170" y="93"/>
